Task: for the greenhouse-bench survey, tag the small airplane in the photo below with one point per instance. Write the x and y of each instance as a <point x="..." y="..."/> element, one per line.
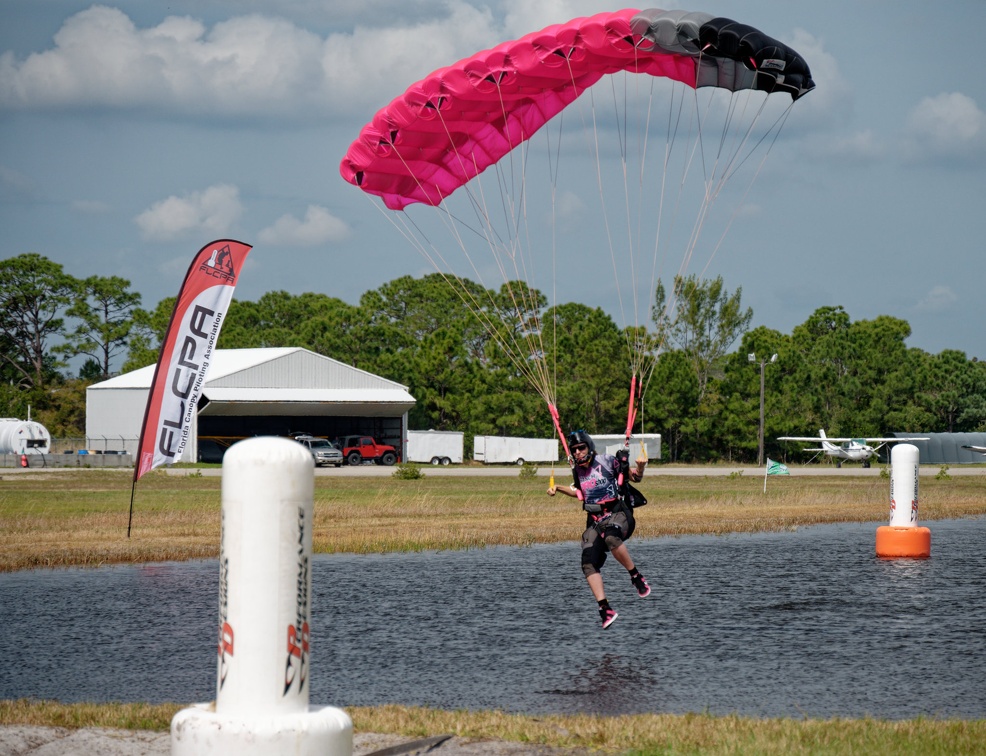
<point x="980" y="449"/>
<point x="852" y="449"/>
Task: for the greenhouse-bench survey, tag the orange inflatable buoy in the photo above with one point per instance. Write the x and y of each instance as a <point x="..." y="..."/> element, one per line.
<point x="912" y="542"/>
<point x="903" y="537"/>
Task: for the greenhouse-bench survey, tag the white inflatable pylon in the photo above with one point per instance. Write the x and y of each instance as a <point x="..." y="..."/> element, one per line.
<point x="264" y="646"/>
<point x="903" y="537"/>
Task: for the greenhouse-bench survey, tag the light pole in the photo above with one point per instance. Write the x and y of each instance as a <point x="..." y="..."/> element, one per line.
<point x="753" y="358"/>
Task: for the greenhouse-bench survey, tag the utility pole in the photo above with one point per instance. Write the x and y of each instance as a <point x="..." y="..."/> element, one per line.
<point x="752" y="357"/>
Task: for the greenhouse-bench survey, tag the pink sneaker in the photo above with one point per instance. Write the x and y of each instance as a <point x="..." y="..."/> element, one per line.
<point x="643" y="590"/>
<point x="608" y="616"/>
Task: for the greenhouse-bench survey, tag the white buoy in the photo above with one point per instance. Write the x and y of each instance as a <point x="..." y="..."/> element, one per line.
<point x="903" y="537"/>
<point x="264" y="640"/>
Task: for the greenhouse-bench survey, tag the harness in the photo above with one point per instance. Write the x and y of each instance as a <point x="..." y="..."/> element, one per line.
<point x="608" y="482"/>
<point x="627" y="496"/>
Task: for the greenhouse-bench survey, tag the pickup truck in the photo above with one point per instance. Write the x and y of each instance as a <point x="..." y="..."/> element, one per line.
<point x="357" y="449"/>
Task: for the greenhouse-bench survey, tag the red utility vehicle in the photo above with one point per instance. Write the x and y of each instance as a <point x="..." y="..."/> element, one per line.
<point x="357" y="449"/>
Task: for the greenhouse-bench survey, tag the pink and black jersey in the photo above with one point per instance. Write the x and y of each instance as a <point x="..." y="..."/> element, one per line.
<point x="599" y="482"/>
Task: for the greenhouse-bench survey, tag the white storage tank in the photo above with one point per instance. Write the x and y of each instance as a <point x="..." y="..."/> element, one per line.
<point x="23" y="437"/>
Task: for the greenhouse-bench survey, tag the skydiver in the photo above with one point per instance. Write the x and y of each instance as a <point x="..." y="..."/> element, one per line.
<point x="609" y="518"/>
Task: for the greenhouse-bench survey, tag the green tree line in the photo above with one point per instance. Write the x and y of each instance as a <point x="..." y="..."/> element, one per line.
<point x="451" y="345"/>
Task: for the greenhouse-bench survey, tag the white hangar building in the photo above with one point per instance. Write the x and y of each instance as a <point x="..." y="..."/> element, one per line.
<point x="257" y="392"/>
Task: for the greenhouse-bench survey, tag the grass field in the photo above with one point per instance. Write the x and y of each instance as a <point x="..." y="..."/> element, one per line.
<point x="80" y="518"/>
<point x="639" y="735"/>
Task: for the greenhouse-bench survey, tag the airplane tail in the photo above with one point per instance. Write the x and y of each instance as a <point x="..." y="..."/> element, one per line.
<point x="826" y="445"/>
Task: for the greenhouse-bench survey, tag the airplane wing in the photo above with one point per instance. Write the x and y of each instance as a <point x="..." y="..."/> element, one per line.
<point x="854" y="438"/>
<point x="980" y="449"/>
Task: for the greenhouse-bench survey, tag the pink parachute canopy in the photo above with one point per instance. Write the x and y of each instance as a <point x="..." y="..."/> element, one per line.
<point x="455" y="123"/>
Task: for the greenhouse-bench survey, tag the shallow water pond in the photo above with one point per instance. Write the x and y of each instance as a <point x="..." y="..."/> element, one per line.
<point x="802" y="623"/>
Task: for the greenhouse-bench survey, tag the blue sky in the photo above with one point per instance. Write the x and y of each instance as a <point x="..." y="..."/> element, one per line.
<point x="133" y="133"/>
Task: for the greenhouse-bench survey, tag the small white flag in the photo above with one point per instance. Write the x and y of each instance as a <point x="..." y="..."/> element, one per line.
<point x="776" y="468"/>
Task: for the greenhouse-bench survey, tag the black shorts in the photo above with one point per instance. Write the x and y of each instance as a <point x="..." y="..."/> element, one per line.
<point x="619" y="526"/>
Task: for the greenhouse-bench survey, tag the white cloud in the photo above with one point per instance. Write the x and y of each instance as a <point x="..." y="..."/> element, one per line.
<point x="569" y="205"/>
<point x="100" y="57"/>
<point x="212" y="211"/>
<point x="248" y="65"/>
<point x="831" y="102"/>
<point x="948" y="125"/>
<point x="318" y="227"/>
<point x="263" y="66"/>
<point x="938" y="299"/>
<point x="749" y="210"/>
<point x="374" y="64"/>
<point x="523" y="16"/>
<point x="861" y="146"/>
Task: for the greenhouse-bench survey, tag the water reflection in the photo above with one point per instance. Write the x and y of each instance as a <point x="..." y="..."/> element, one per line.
<point x="781" y="624"/>
<point x="608" y="683"/>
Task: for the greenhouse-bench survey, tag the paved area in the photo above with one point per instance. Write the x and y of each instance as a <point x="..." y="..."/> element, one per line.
<point x="94" y="741"/>
<point x="465" y="471"/>
<point x="561" y="468"/>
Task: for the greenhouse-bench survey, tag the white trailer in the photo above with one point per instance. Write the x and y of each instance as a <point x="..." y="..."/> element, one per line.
<point x="433" y="447"/>
<point x="513" y="450"/>
<point x="610" y="444"/>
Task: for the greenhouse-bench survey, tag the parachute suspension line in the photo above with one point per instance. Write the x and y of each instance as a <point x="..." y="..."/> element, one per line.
<point x="776" y="128"/>
<point x="713" y="181"/>
<point x="532" y="368"/>
<point x="629" y="326"/>
<point x="553" y="172"/>
<point x="527" y="307"/>
<point x="692" y="145"/>
<point x="724" y="167"/>
<point x="596" y="154"/>
<point x="622" y="126"/>
<point x="731" y="165"/>
<point x="695" y="148"/>
<point x="634" y="333"/>
<point x="674" y="123"/>
<point x="642" y="148"/>
<point x="523" y="302"/>
<point x="623" y="132"/>
<point x="509" y="344"/>
<point x="731" y="162"/>
<point x="631" y="331"/>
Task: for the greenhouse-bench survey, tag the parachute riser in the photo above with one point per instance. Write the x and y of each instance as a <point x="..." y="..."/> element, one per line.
<point x="568" y="454"/>
<point x="631" y="412"/>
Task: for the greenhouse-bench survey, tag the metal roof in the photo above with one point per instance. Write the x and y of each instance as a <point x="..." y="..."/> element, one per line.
<point x="285" y="367"/>
<point x="224" y="362"/>
<point x="283" y="381"/>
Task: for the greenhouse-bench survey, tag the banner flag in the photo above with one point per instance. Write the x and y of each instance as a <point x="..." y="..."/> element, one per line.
<point x="185" y="353"/>
<point x="776" y="468"/>
<point x="773" y="468"/>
